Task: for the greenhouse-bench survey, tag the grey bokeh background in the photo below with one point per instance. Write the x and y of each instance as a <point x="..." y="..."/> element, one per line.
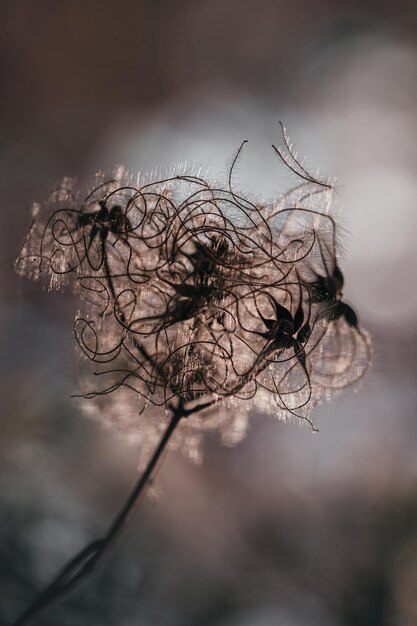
<point x="288" y="528"/>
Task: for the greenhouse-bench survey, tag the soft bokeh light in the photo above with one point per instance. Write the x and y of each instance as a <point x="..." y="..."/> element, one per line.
<point x="288" y="526"/>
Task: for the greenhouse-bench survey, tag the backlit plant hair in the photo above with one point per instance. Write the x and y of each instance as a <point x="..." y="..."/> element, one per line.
<point x="200" y="305"/>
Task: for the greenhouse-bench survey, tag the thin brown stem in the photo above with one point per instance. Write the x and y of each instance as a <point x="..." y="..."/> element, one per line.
<point x="85" y="562"/>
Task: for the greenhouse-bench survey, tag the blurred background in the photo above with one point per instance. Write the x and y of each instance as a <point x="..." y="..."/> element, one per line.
<point x="288" y="528"/>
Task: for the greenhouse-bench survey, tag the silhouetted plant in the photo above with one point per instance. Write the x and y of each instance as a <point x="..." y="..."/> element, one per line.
<point x="199" y="302"/>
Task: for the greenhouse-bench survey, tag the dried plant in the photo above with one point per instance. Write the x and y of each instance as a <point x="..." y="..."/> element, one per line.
<point x="199" y="304"/>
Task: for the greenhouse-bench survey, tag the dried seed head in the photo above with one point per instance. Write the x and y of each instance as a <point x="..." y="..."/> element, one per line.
<point x="195" y="294"/>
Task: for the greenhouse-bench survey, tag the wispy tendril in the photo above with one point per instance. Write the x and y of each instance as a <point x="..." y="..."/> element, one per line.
<point x="199" y="302"/>
<point x="198" y="295"/>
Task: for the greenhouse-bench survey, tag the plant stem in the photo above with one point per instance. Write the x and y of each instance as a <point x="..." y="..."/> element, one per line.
<point x="85" y="562"/>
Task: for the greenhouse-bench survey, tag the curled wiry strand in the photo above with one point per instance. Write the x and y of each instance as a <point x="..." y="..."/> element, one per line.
<point x="197" y="295"/>
<point x="200" y="301"/>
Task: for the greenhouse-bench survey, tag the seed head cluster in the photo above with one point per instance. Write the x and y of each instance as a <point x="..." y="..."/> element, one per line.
<point x="195" y="294"/>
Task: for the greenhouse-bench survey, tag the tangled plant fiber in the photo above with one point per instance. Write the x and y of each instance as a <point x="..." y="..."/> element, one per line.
<point x="199" y="305"/>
